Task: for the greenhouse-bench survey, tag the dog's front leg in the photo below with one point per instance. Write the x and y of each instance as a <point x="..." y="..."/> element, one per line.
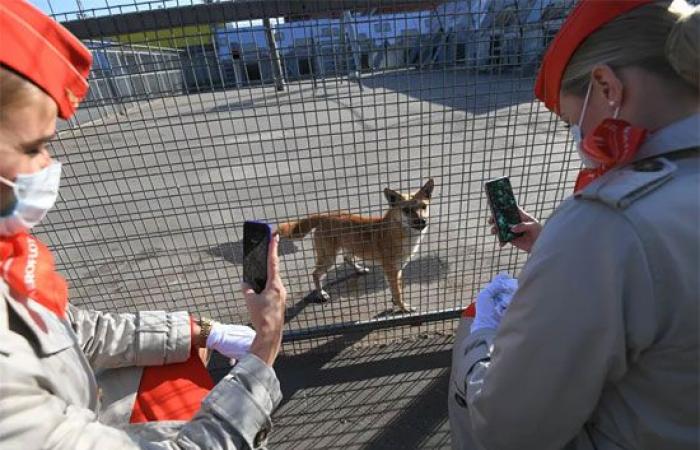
<point x="393" y="277"/>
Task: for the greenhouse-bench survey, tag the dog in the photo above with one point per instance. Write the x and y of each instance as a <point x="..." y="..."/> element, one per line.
<point x="390" y="240"/>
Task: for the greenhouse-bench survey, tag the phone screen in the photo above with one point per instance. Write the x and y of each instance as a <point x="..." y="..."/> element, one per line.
<point x="256" y="239"/>
<point x="504" y="207"/>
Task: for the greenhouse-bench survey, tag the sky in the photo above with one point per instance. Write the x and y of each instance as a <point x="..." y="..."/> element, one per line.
<point x="67" y="9"/>
<point x="64" y="10"/>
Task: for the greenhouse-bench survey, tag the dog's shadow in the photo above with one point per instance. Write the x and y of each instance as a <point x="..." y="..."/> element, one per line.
<point x="233" y="251"/>
<point x="344" y="282"/>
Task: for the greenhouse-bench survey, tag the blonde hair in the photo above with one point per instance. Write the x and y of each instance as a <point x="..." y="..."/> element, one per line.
<point x="15" y="91"/>
<point x="662" y="37"/>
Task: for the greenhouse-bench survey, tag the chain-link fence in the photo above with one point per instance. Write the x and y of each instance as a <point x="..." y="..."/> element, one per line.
<point x="202" y="116"/>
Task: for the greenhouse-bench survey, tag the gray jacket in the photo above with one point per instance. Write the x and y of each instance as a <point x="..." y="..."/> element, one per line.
<point x="599" y="348"/>
<point x="49" y="397"/>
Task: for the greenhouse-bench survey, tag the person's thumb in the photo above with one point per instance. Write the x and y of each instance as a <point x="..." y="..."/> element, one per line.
<point x="273" y="259"/>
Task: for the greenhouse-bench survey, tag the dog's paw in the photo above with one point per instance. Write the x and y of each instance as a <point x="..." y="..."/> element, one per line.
<point x="361" y="270"/>
<point x="318" y="297"/>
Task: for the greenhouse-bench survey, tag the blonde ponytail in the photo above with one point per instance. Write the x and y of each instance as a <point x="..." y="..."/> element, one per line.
<point x="683" y="43"/>
<point x="662" y="37"/>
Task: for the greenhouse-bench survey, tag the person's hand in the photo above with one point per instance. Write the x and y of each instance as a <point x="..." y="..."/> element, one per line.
<point x="232" y="341"/>
<point x="267" y="309"/>
<point x="492" y="302"/>
<point x="528" y="225"/>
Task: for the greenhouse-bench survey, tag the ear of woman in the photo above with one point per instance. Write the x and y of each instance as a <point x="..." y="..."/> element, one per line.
<point x="609" y="84"/>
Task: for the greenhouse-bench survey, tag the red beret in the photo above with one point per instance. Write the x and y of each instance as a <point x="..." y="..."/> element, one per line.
<point x="586" y="18"/>
<point x="40" y="49"/>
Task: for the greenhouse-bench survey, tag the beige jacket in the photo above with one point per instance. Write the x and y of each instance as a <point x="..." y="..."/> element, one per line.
<point x="599" y="348"/>
<point x="49" y="395"/>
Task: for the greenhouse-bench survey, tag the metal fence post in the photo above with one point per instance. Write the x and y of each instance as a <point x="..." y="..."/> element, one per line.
<point x="274" y="55"/>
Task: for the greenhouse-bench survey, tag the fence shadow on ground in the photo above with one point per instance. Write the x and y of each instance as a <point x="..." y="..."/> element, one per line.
<point x="388" y="397"/>
<point x="342" y="281"/>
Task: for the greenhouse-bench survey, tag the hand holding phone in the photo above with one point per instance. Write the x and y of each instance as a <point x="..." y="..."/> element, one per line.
<point x="264" y="292"/>
<point x="529" y="227"/>
<point x="256" y="242"/>
<point x="504" y="208"/>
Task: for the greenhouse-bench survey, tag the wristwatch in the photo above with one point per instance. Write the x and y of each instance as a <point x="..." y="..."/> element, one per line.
<point x="205" y="325"/>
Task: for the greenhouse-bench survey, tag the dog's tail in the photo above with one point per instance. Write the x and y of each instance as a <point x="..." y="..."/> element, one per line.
<point x="300" y="228"/>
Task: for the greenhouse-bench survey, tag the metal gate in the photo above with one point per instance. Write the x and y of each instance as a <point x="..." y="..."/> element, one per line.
<point x="204" y="115"/>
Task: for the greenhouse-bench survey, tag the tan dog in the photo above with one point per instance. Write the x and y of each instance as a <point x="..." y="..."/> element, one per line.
<point x="389" y="240"/>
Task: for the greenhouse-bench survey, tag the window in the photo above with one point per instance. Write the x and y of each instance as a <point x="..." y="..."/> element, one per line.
<point x="382" y="27"/>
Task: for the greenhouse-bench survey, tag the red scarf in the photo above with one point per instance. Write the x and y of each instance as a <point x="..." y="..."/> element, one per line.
<point x="28" y="268"/>
<point x="613" y="143"/>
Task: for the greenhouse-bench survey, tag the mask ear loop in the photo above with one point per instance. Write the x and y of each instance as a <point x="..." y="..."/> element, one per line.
<point x="7" y="182"/>
<point x="585" y="103"/>
<point x="616" y="113"/>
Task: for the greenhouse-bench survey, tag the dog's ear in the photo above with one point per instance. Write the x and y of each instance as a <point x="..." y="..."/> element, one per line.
<point x="392" y="196"/>
<point x="426" y="191"/>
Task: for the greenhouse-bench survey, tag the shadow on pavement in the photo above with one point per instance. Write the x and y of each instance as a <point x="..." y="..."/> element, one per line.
<point x="232" y="252"/>
<point x="458" y="89"/>
<point x="380" y="397"/>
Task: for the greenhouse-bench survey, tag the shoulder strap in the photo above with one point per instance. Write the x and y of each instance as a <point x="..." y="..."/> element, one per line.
<point x="621" y="187"/>
<point x="683" y="153"/>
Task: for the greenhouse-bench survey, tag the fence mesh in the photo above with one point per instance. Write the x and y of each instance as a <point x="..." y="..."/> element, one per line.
<point x="201" y="117"/>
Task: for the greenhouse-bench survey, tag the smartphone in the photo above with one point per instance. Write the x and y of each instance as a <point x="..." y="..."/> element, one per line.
<point x="504" y="207"/>
<point x="256" y="240"/>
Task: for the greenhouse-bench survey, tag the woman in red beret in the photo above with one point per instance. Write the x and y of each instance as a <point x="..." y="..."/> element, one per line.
<point x="152" y="390"/>
<point x="599" y="345"/>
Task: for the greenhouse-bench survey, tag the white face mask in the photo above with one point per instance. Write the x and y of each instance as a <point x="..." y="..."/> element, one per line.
<point x="577" y="134"/>
<point x="35" y="195"/>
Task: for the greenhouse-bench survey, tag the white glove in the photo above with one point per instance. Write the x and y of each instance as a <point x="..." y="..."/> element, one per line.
<point x="232" y="341"/>
<point x="493" y="300"/>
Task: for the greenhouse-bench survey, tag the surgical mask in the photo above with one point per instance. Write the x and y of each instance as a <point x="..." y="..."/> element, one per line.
<point x="577" y="134"/>
<point x="35" y="195"/>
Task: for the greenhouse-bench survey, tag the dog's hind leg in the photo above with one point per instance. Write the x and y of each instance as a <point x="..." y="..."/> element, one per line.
<point x="325" y="258"/>
<point x="319" y="271"/>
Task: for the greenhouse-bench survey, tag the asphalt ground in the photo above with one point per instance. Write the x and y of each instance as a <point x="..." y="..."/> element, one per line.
<point x="388" y="396"/>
